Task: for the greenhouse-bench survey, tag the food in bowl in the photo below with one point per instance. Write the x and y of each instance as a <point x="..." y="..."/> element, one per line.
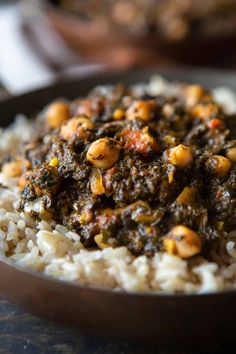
<point x="171" y="20"/>
<point x="136" y="33"/>
<point x="130" y="187"/>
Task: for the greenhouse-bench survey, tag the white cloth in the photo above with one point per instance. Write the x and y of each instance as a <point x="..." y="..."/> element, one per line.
<point x="21" y="69"/>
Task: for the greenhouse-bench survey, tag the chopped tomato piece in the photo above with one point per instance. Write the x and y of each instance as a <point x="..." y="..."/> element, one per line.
<point x="142" y="142"/>
<point x="214" y="123"/>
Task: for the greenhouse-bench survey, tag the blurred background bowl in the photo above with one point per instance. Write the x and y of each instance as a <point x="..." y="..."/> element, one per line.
<point x="133" y="33"/>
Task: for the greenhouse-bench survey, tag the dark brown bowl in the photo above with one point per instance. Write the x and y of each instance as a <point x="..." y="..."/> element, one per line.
<point x="165" y="319"/>
<point x="123" y="50"/>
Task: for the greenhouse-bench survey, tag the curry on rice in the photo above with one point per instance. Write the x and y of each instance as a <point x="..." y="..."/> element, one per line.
<point x="122" y="167"/>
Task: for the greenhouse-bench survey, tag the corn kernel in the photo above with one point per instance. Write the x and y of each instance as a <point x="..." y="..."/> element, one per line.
<point x="54" y="162"/>
<point x="118" y="114"/>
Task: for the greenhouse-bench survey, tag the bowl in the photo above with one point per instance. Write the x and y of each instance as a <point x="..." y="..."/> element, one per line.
<point x="168" y="320"/>
<point x="201" y="33"/>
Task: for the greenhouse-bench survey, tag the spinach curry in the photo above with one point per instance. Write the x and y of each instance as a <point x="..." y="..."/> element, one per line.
<point x="124" y="168"/>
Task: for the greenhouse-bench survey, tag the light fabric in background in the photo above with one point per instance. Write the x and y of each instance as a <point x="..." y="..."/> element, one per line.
<point x="21" y="69"/>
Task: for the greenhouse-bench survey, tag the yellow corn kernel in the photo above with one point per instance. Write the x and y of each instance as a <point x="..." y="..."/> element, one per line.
<point x="54" y="162"/>
<point x="118" y="114"/>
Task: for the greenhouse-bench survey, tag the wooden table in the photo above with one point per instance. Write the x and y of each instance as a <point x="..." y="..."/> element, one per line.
<point x="21" y="333"/>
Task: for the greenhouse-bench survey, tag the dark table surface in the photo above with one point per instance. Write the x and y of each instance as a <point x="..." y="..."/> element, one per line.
<point x="21" y="333"/>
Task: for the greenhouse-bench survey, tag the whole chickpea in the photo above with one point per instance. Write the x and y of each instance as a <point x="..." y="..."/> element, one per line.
<point x="12" y="169"/>
<point x="193" y="94"/>
<point x="180" y="155"/>
<point x="219" y="165"/>
<point x="204" y="111"/>
<point x="140" y="109"/>
<point x="182" y="241"/>
<point x="231" y="154"/>
<point x="103" y="153"/>
<point x="57" y="113"/>
<point x="76" y="125"/>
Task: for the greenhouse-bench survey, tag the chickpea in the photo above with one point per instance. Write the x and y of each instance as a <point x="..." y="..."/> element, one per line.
<point x="183" y="242"/>
<point x="12" y="169"/>
<point x="193" y="94"/>
<point x="76" y="125"/>
<point x="180" y="155"/>
<point x="140" y="109"/>
<point x="219" y="165"/>
<point x="204" y="112"/>
<point x="57" y="113"/>
<point x="168" y="110"/>
<point x="103" y="153"/>
<point x="231" y="154"/>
